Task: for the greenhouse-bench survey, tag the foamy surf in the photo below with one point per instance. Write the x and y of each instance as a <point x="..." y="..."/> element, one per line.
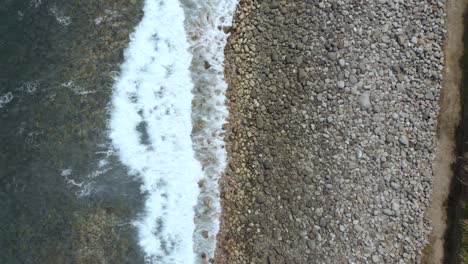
<point x="151" y="125"/>
<point x="205" y="21"/>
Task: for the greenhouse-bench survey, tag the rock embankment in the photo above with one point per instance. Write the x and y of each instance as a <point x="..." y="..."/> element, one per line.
<point x="331" y="136"/>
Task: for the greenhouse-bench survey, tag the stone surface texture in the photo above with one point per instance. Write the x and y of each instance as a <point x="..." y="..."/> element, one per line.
<point x="331" y="134"/>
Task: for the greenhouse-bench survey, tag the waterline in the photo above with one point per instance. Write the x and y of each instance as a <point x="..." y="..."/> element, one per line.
<point x="173" y="74"/>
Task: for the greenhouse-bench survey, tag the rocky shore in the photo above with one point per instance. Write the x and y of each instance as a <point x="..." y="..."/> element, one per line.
<point x="332" y="131"/>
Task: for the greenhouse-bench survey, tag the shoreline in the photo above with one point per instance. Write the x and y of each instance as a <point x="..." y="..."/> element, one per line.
<point x="329" y="133"/>
<point x="225" y="244"/>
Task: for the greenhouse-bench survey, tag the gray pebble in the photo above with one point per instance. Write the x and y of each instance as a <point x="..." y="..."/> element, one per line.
<point x="364" y="101"/>
<point x="353" y="79"/>
<point x="404" y="140"/>
<point x="340" y="84"/>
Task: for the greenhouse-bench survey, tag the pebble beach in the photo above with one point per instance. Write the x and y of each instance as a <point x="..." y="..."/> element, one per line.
<point x="331" y="137"/>
<point x="233" y="131"/>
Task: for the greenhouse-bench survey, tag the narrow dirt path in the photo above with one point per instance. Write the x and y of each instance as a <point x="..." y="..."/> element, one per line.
<point x="450" y="109"/>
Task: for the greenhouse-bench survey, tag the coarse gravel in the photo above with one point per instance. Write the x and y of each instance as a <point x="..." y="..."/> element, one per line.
<point x="331" y="135"/>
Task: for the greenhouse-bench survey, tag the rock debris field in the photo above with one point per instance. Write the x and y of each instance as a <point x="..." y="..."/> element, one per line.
<point x="332" y="130"/>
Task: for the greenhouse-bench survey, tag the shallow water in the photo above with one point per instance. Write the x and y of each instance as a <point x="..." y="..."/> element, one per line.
<point x="110" y="156"/>
<point x="59" y="178"/>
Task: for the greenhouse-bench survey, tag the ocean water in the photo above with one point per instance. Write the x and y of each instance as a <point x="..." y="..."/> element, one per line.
<point x="111" y="141"/>
<point x="166" y="125"/>
<point x="65" y="196"/>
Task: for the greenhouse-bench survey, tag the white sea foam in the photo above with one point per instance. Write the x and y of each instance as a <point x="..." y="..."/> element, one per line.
<point x="35" y="3"/>
<point x="78" y="90"/>
<point x="150" y="128"/>
<point x="29" y="86"/>
<point x="61" y="19"/>
<point x="67" y="173"/>
<point x="151" y="124"/>
<point x="205" y="21"/>
<point x="5" y="99"/>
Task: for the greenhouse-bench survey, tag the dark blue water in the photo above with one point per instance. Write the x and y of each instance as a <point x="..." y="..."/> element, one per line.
<point x="64" y="197"/>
